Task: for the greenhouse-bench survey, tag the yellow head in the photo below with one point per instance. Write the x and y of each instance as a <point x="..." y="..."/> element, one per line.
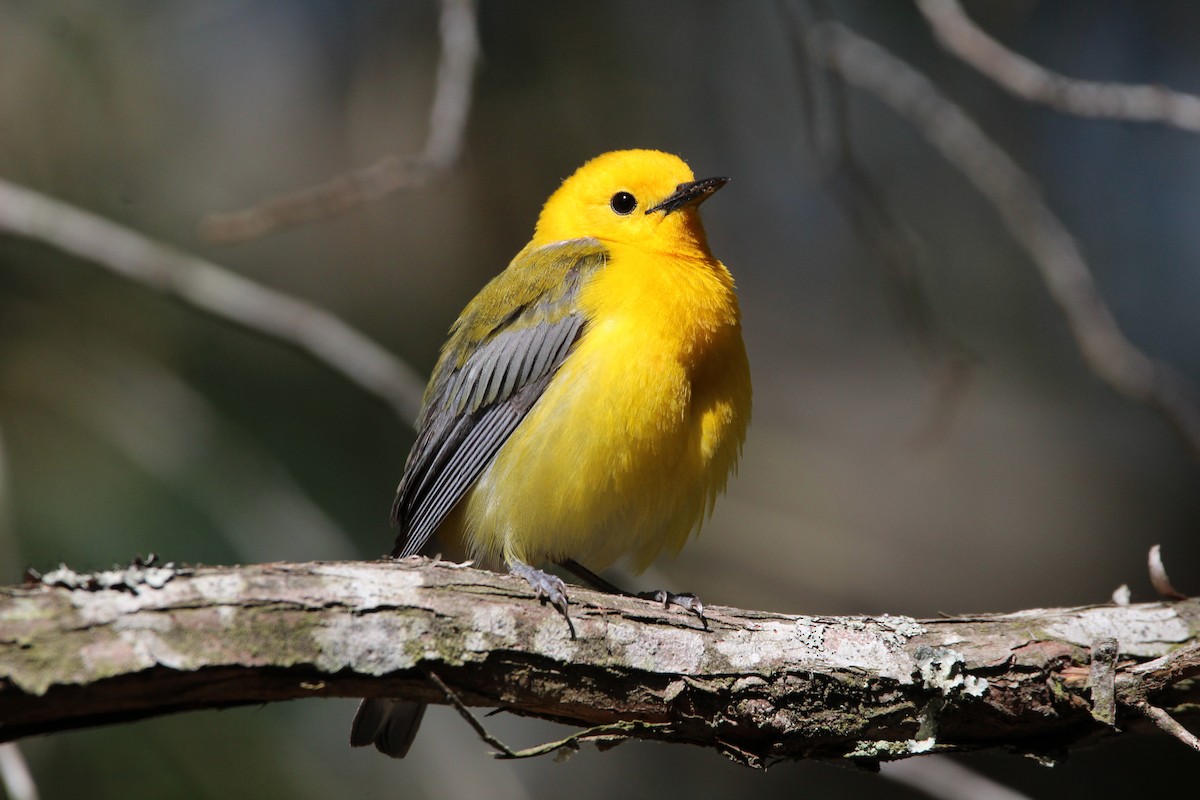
<point x="642" y="198"/>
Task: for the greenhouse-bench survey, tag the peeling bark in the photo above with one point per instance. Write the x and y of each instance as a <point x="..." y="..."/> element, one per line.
<point x="79" y="650"/>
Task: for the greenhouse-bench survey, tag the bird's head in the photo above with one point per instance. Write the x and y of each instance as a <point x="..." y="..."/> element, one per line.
<point x="636" y="197"/>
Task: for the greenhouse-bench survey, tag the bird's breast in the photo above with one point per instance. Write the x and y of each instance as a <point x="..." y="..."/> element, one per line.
<point x="635" y="432"/>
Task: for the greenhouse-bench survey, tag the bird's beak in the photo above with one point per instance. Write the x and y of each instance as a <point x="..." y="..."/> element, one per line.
<point x="689" y="194"/>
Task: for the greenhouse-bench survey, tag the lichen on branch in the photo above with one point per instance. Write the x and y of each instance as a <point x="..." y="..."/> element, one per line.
<point x="79" y="650"/>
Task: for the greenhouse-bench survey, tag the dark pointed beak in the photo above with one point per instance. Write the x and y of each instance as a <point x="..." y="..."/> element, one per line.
<point x="689" y="194"/>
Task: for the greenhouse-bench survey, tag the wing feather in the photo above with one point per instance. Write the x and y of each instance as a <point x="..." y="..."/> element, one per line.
<point x="492" y="370"/>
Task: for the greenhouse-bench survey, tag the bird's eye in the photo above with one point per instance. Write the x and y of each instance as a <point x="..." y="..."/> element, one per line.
<point x="623" y="203"/>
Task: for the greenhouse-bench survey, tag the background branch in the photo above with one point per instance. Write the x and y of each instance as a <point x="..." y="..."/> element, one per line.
<point x="214" y="290"/>
<point x="447" y="124"/>
<point x="1028" y="80"/>
<point x="78" y="650"/>
<point x="898" y="250"/>
<point x="1016" y="198"/>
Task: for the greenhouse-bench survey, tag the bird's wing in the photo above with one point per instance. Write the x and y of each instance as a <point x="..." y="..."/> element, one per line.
<point x="502" y="352"/>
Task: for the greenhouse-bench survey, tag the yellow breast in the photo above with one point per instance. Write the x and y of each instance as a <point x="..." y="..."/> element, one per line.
<point x="626" y="450"/>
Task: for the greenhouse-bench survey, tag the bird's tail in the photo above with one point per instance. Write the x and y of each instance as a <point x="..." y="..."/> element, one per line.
<point x="390" y="725"/>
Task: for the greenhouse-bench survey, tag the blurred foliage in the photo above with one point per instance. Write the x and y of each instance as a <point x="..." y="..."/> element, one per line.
<point x="130" y="424"/>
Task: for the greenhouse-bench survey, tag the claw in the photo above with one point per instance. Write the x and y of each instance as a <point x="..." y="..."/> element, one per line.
<point x="687" y="601"/>
<point x="548" y="588"/>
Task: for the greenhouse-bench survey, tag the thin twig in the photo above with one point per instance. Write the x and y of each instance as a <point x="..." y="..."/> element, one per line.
<point x="617" y="731"/>
<point x="465" y="713"/>
<point x="1135" y="685"/>
<point x="897" y="248"/>
<point x="1031" y="81"/>
<point x="215" y="290"/>
<point x="1029" y="220"/>
<point x="455" y="75"/>
<point x="1169" y="724"/>
<point x="601" y="734"/>
<point x="447" y="125"/>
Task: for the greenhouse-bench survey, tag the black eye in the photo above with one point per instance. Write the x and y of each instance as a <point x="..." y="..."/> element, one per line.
<point x="623" y="203"/>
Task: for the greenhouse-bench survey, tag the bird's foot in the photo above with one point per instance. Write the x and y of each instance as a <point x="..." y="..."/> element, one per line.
<point x="687" y="601"/>
<point x="548" y="588"/>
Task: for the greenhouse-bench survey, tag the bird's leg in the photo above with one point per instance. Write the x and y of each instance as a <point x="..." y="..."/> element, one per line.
<point x="590" y="578"/>
<point x="547" y="588"/>
<point x="687" y="601"/>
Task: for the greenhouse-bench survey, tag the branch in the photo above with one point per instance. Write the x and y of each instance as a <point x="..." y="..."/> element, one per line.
<point x="79" y="650"/>
<point x="447" y="125"/>
<point x="897" y="248"/>
<point x="1016" y="198"/>
<point x="1028" y="80"/>
<point x="214" y="290"/>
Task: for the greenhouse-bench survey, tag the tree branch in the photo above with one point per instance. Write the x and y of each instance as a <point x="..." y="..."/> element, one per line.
<point x="898" y="249"/>
<point x="1028" y="80"/>
<point x="1034" y="226"/>
<point x="79" y="650"/>
<point x="214" y="290"/>
<point x="447" y="126"/>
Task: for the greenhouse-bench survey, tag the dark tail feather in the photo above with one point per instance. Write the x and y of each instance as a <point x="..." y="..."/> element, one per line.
<point x="390" y="725"/>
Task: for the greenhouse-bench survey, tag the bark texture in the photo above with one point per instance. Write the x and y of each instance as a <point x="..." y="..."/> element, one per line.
<point x="79" y="650"/>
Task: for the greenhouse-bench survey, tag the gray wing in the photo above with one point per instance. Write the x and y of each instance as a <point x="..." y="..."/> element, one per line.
<point x="472" y="409"/>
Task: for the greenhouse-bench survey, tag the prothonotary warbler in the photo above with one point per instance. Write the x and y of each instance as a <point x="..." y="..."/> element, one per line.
<point x="590" y="402"/>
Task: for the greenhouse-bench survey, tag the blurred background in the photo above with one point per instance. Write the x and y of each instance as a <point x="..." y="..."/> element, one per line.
<point x="131" y="423"/>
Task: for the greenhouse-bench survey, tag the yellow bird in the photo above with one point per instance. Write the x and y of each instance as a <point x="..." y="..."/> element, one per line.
<point x="590" y="402"/>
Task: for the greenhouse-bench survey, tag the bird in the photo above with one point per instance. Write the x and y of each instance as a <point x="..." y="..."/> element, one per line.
<point x="590" y="402"/>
